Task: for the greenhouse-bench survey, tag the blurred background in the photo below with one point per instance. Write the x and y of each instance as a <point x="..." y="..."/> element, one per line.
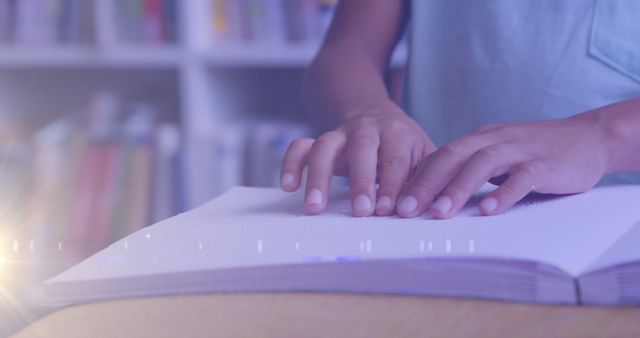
<point x="115" y="114"/>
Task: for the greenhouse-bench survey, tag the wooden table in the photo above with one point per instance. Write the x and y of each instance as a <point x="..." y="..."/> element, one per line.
<point x="330" y="315"/>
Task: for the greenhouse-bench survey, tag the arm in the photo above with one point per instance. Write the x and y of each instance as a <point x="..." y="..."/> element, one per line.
<point x="619" y="125"/>
<point x="562" y="156"/>
<point x="346" y="79"/>
<point x="368" y="135"/>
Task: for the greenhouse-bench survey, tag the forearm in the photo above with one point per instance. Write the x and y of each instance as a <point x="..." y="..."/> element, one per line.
<point x="343" y="83"/>
<point x="346" y="80"/>
<point x="619" y="125"/>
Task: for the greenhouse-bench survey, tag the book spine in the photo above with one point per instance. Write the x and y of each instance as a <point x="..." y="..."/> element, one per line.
<point x="69" y="21"/>
<point x="138" y="213"/>
<point x="47" y="23"/>
<point x="261" y="23"/>
<point x="141" y="132"/>
<point x="70" y="185"/>
<point x="219" y="20"/>
<point x="12" y="20"/>
<point x="76" y="247"/>
<point x="83" y="25"/>
<point x="100" y="235"/>
<point x="294" y="21"/>
<point x="122" y="191"/>
<point x="230" y="148"/>
<point x="4" y="21"/>
<point x="167" y="149"/>
<point x="106" y="17"/>
<point x="235" y="19"/>
<point x="136" y="22"/>
<point x="170" y="21"/>
<point x="275" y="21"/>
<point x="22" y="29"/>
<point x="179" y="190"/>
<point x="152" y="22"/>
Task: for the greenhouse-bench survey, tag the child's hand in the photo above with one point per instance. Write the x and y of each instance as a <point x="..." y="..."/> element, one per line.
<point x="556" y="156"/>
<point x="385" y="146"/>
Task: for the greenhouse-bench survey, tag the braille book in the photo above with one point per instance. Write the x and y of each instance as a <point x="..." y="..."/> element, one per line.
<point x="572" y="249"/>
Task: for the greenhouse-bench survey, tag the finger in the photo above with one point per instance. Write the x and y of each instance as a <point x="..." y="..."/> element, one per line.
<point x="484" y="164"/>
<point x="363" y="158"/>
<point x="295" y="159"/>
<point x="434" y="174"/>
<point x="524" y="179"/>
<point x="394" y="165"/>
<point x="322" y="158"/>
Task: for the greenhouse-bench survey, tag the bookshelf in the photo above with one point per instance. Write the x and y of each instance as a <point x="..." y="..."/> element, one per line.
<point x="234" y="101"/>
<point x="235" y="98"/>
<point x="200" y="80"/>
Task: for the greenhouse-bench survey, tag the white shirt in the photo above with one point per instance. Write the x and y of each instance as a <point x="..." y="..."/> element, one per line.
<point x="478" y="62"/>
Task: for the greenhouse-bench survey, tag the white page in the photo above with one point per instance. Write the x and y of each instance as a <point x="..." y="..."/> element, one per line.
<point x="257" y="226"/>
<point x="625" y="250"/>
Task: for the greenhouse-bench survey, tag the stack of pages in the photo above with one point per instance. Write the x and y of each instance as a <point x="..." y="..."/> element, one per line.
<point x="573" y="249"/>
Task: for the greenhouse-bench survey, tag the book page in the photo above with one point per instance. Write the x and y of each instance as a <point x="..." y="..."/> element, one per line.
<point x="257" y="226"/>
<point x="625" y="250"/>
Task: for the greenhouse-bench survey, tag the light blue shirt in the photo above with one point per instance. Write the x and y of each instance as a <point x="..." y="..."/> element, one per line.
<point x="478" y="62"/>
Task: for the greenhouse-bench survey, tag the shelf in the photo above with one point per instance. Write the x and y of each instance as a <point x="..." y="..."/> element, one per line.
<point x="297" y="56"/>
<point x="294" y="56"/>
<point x="239" y="55"/>
<point x="82" y="57"/>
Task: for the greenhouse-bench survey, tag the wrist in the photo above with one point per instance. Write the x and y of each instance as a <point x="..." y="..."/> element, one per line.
<point x="617" y="127"/>
<point x="372" y="108"/>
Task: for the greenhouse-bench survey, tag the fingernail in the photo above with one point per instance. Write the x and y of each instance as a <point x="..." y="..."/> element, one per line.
<point x="384" y="202"/>
<point x="442" y="205"/>
<point x="314" y="197"/>
<point x="286" y="180"/>
<point x="489" y="204"/>
<point x="408" y="205"/>
<point x="362" y="203"/>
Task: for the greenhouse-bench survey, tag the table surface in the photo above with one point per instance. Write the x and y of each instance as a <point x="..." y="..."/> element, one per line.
<point x="330" y="315"/>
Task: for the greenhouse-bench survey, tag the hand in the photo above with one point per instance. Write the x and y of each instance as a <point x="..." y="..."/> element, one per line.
<point x="386" y="146"/>
<point x="556" y="156"/>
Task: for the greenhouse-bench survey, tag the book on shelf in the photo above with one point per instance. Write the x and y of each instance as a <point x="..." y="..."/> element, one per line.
<point x="168" y="199"/>
<point x="245" y="152"/>
<point x="268" y="143"/>
<point x="93" y="178"/>
<point x="270" y="21"/>
<point x="574" y="249"/>
<point x="15" y="161"/>
<point x="46" y="22"/>
<point x="141" y="22"/>
<point x="41" y="23"/>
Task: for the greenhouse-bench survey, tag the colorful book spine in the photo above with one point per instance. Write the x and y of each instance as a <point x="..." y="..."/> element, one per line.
<point x="78" y="231"/>
<point x="106" y="186"/>
<point x="220" y="16"/>
<point x="139" y="212"/>
<point x="146" y="22"/>
<point x="5" y="21"/>
<point x="90" y="183"/>
<point x="152" y="22"/>
<point x="83" y="232"/>
<point x="166" y="187"/>
<point x="270" y="21"/>
<point x="141" y="134"/>
<point x="170" y="21"/>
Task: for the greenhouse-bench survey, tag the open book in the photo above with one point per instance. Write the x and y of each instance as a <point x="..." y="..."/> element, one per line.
<point x="575" y="249"/>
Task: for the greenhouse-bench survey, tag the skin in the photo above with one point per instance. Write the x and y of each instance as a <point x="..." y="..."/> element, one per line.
<point x="563" y="156"/>
<point x="370" y="139"/>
